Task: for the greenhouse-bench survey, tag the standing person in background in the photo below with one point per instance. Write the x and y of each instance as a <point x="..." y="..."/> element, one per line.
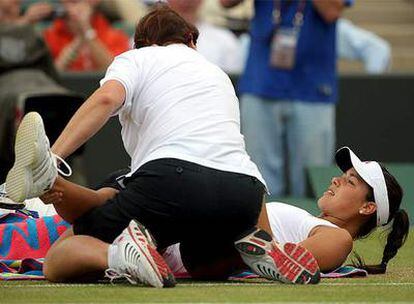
<point x="219" y="45"/>
<point x="289" y="88"/>
<point x="83" y="40"/>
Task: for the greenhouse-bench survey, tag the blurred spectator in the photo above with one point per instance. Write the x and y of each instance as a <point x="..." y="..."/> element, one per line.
<point x="289" y="89"/>
<point x="28" y="80"/>
<point x="355" y="43"/>
<point x="83" y="39"/>
<point x="10" y="12"/>
<point x="130" y="11"/>
<point x="219" y="45"/>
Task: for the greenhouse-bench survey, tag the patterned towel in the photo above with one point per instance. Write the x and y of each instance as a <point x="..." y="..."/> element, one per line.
<point x="341" y="272"/>
<point x="24" y="237"/>
<point x="345" y="272"/>
<point x="24" y="241"/>
<point x="27" y="269"/>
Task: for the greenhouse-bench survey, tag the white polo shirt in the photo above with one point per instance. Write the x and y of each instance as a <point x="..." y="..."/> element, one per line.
<point x="179" y="105"/>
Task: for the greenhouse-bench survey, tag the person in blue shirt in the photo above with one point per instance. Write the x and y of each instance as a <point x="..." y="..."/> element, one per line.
<point x="289" y="88"/>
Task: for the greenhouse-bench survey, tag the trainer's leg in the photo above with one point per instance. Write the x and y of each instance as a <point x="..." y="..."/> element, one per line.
<point x="74" y="200"/>
<point x="75" y="258"/>
<point x="263" y="222"/>
<point x="132" y="255"/>
<point x="219" y="264"/>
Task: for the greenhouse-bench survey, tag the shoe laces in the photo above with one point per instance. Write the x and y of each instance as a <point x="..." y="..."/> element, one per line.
<point x="66" y="165"/>
<point x="112" y="274"/>
<point x="132" y="275"/>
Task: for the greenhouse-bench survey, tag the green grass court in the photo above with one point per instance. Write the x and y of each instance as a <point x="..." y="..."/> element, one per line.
<point x="396" y="286"/>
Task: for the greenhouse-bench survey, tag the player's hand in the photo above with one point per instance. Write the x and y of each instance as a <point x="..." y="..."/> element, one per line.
<point x="52" y="197"/>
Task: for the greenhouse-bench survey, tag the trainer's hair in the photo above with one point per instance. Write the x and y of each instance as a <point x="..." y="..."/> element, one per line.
<point x="397" y="233"/>
<point x="163" y="26"/>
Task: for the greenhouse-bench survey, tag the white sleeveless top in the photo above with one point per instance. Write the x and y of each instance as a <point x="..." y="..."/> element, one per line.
<point x="291" y="224"/>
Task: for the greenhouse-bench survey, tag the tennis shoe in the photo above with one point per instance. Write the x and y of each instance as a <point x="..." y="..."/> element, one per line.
<point x="288" y="263"/>
<point x="139" y="260"/>
<point x="6" y="202"/>
<point x="35" y="168"/>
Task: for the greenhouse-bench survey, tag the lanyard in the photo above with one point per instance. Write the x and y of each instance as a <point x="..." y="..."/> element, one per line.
<point x="277" y="13"/>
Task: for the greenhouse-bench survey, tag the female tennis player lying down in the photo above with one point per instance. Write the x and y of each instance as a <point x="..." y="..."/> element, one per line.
<point x="366" y="196"/>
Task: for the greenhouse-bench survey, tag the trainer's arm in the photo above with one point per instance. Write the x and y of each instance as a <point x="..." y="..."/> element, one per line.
<point x="330" y="246"/>
<point x="329" y="10"/>
<point x="90" y="118"/>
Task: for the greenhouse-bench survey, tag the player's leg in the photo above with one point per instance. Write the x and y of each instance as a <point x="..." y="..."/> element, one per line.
<point x="290" y="263"/>
<point x="71" y="200"/>
<point x="35" y="173"/>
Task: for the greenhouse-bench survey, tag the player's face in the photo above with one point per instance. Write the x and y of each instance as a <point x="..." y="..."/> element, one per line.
<point x="345" y="196"/>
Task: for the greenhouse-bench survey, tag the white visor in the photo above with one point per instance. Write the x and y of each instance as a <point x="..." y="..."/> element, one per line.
<point x="371" y="173"/>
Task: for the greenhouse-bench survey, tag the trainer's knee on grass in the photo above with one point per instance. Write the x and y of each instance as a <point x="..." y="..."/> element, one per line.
<point x="75" y="258"/>
<point x="52" y="269"/>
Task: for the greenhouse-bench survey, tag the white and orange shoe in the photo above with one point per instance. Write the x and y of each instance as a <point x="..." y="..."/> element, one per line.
<point x="290" y="263"/>
<point x="138" y="260"/>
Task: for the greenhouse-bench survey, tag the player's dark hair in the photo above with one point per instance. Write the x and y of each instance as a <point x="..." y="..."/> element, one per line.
<point x="397" y="232"/>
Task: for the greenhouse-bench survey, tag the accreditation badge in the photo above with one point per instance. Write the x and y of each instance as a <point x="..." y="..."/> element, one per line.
<point x="283" y="48"/>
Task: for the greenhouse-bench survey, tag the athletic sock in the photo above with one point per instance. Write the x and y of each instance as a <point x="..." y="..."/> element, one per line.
<point x="113" y="260"/>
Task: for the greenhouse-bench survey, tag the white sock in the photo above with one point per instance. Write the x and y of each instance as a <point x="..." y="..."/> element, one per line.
<point x="113" y="260"/>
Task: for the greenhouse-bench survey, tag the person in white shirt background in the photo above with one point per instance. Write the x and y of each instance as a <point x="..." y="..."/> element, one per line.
<point x="218" y="44"/>
<point x="356" y="43"/>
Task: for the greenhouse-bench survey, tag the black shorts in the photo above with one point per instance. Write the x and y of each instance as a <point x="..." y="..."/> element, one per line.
<point x="179" y="202"/>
